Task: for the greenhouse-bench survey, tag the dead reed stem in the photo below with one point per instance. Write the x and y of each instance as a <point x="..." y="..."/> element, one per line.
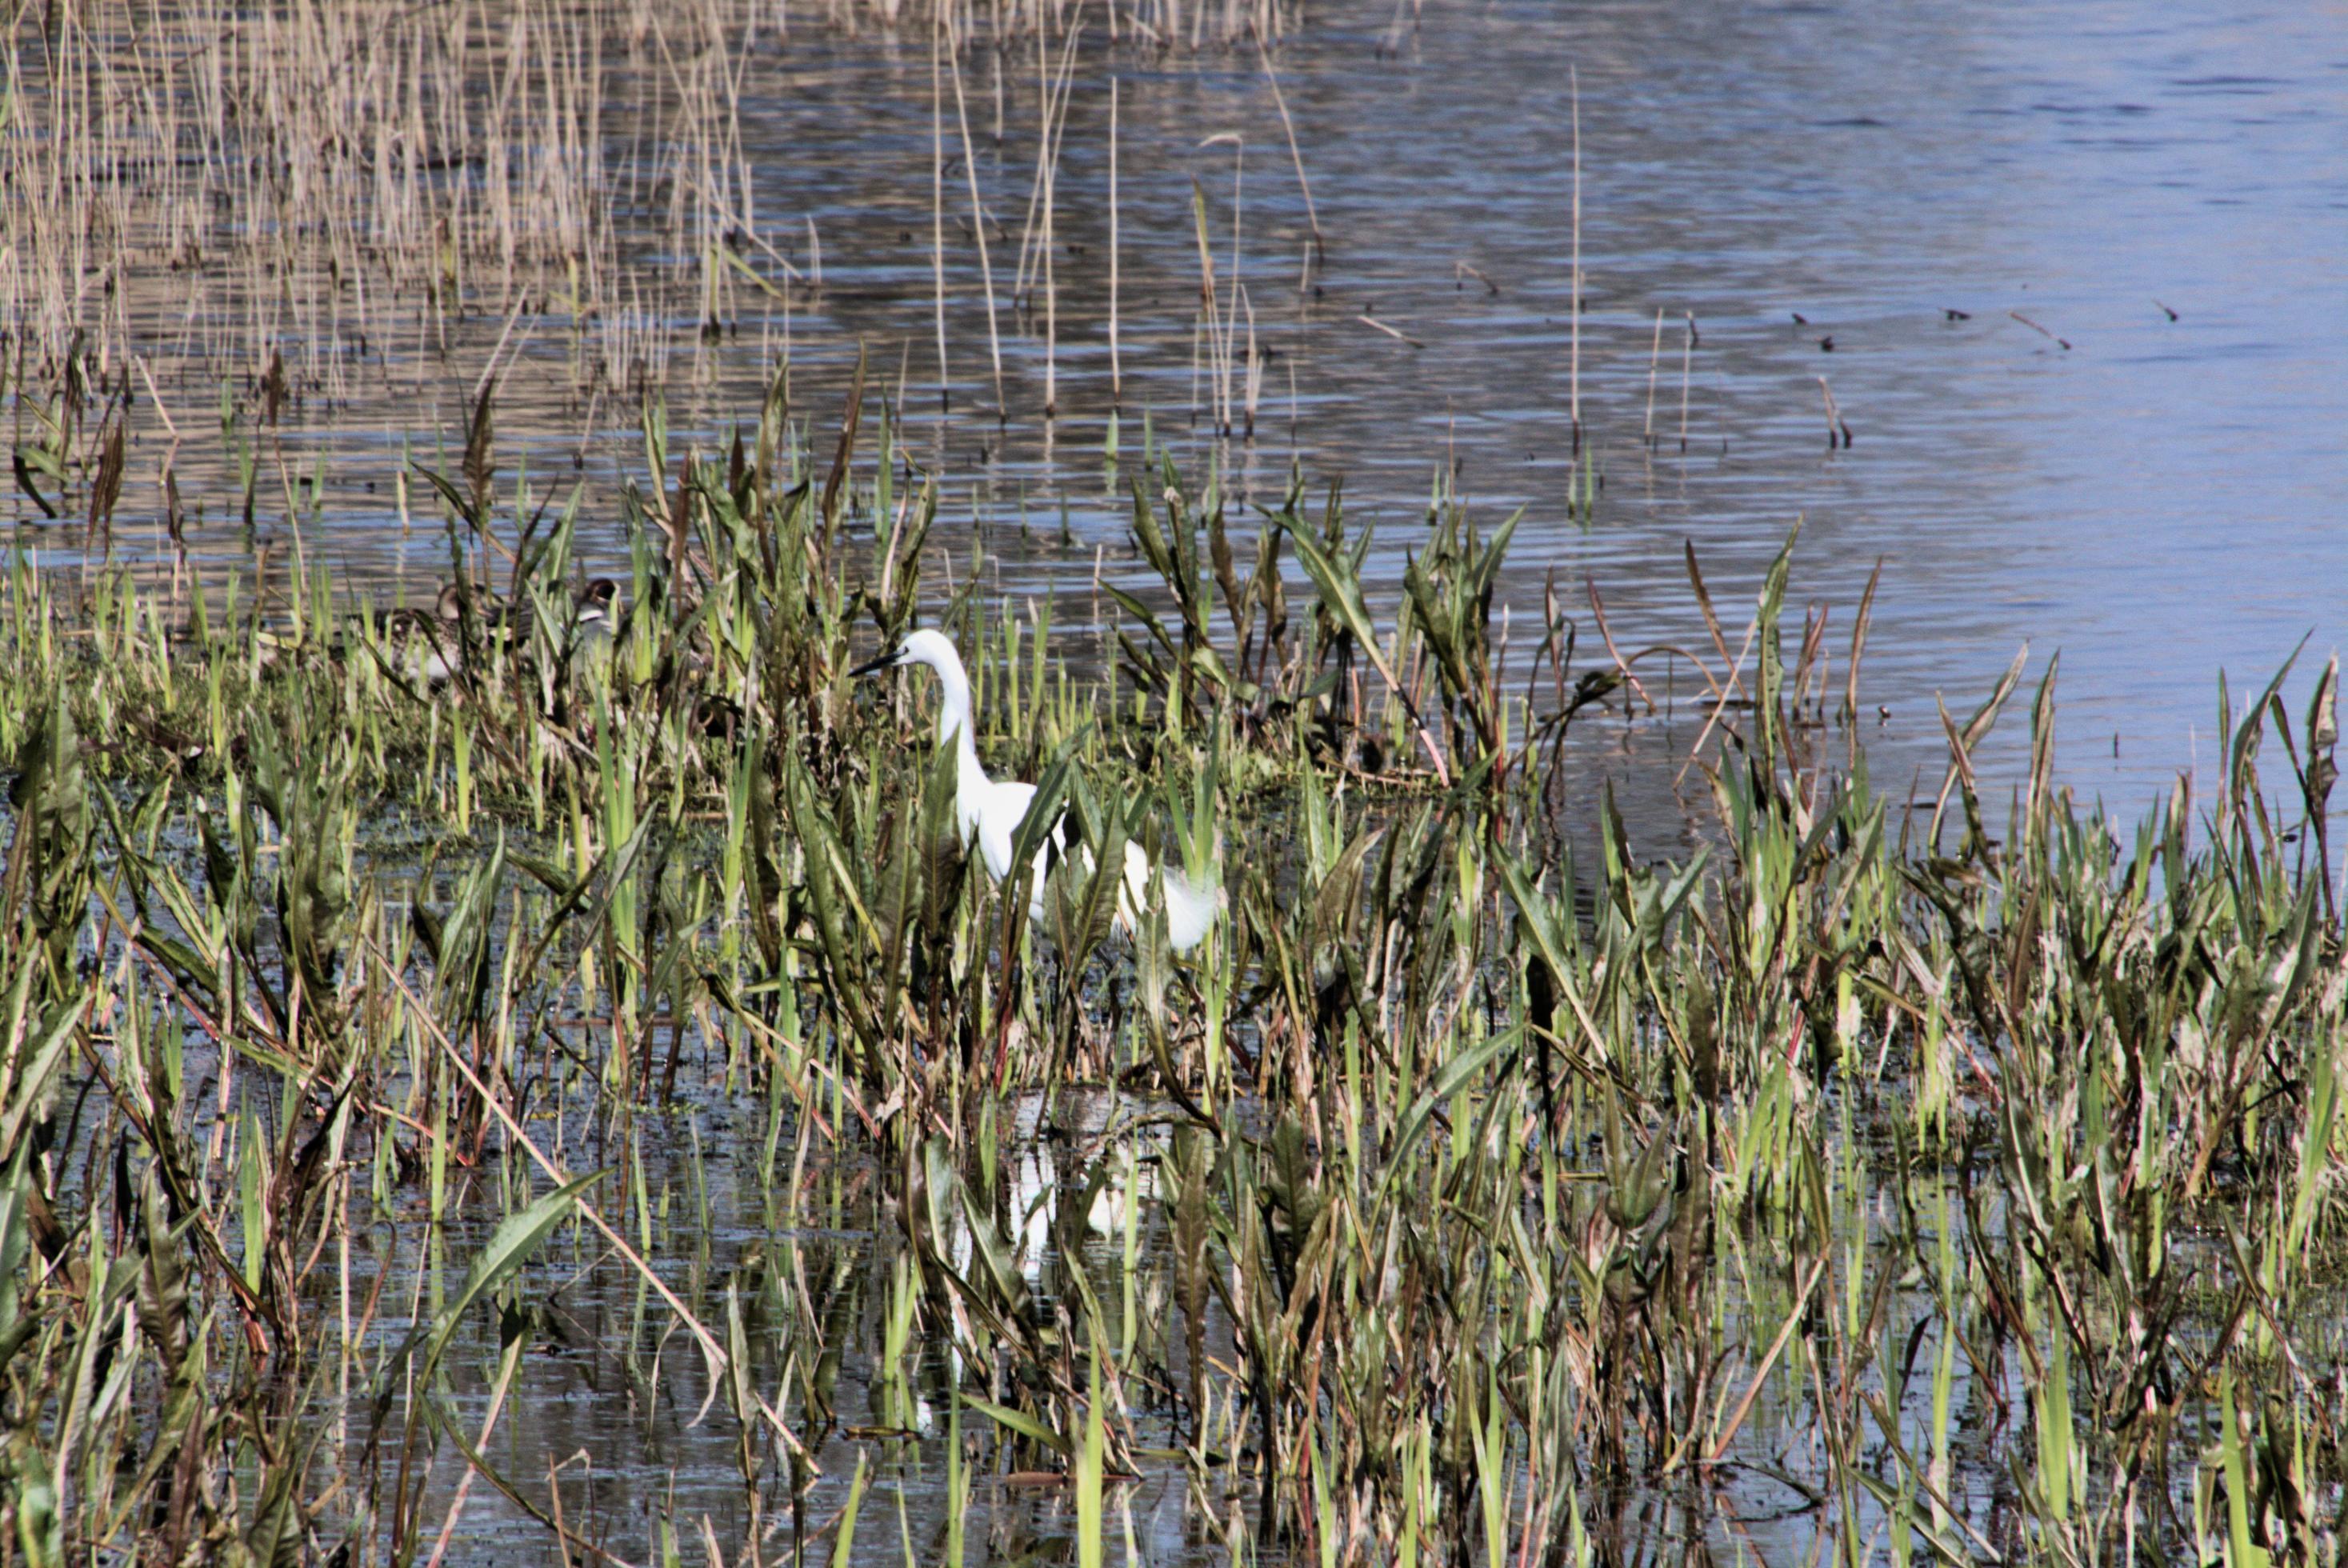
<point x="978" y="227"/>
<point x="1295" y="157"/>
<point x="1573" y="377"/>
<point x="938" y="211"/>
<point x="1687" y="370"/>
<point x="1115" y="369"/>
<point x="1654" y="363"/>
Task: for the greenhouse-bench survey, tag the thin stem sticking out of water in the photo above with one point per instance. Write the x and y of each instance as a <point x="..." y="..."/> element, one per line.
<point x="1654" y="363"/>
<point x="1116" y="370"/>
<point x="1280" y="101"/>
<point x="1838" y="430"/>
<point x="1573" y="379"/>
<point x="1687" y="370"/>
<point x="938" y="212"/>
<point x="978" y="227"/>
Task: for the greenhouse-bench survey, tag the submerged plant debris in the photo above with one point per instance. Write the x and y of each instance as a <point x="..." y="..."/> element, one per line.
<point x="537" y="1076"/>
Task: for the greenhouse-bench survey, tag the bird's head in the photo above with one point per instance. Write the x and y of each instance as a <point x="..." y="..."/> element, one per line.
<point x="925" y="646"/>
<point x="596" y="598"/>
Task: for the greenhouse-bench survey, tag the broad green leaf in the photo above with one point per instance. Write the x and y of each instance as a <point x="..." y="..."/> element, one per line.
<point x="509" y="1246"/>
<point x="1026" y="1426"/>
<point x="1455" y="1075"/>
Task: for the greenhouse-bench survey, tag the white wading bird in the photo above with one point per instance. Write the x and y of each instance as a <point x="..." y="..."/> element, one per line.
<point x="991" y="812"/>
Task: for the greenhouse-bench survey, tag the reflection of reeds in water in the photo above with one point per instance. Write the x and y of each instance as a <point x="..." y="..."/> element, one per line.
<point x="304" y="177"/>
<point x="294" y="212"/>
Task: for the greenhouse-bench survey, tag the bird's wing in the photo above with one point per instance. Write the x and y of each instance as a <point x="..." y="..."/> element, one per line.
<point x="999" y="815"/>
<point x="1191" y="909"/>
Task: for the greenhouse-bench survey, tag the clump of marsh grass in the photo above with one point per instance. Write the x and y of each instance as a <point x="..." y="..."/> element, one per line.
<point x="1959" y="1188"/>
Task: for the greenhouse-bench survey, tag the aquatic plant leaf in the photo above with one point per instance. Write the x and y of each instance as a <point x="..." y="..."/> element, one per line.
<point x="1187" y="1171"/>
<point x="163" y="1291"/>
<point x="1436" y="621"/>
<point x="1042" y="823"/>
<point x="26" y="1083"/>
<point x="1454" y="1075"/>
<point x="2243" y="751"/>
<point x="1634" y="1187"/>
<point x="843" y="1544"/>
<point x="509" y="1246"/>
<point x="1003" y="1275"/>
<point x="273" y="1539"/>
<point x="1485" y="573"/>
<point x="1337" y="901"/>
<point x="1151" y="970"/>
<point x="464" y="938"/>
<point x="40" y="1528"/>
<point x="1151" y="540"/>
<point x="828" y="509"/>
<point x="15" y="1242"/>
<point x="1340" y="591"/>
<point x="1090" y="1463"/>
<point x="459" y="503"/>
<point x="1026" y="1426"/>
<point x="1143" y="613"/>
<point x="1538" y="919"/>
<point x="607" y="874"/>
<point x="49" y="864"/>
<point x="1767" y="734"/>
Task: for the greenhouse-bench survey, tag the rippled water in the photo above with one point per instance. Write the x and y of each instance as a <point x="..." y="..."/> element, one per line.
<point x="2163" y="192"/>
<point x="2157" y="500"/>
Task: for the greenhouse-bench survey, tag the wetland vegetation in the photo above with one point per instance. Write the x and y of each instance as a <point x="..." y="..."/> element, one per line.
<point x="523" y="1067"/>
<point x="616" y="1023"/>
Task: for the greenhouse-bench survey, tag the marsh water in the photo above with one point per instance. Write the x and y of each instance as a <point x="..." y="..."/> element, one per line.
<point x="2074" y="276"/>
<point x="2128" y="448"/>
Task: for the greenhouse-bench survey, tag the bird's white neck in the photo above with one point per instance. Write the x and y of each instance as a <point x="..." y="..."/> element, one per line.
<point x="956" y="729"/>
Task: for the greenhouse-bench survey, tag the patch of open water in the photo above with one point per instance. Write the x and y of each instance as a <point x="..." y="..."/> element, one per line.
<point x="2073" y="276"/>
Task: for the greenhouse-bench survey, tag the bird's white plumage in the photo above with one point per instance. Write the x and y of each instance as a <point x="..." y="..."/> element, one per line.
<point x="990" y="813"/>
<point x="1189" y="908"/>
<point x="1001" y="809"/>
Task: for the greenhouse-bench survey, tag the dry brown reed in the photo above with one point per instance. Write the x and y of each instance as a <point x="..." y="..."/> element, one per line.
<point x="330" y="182"/>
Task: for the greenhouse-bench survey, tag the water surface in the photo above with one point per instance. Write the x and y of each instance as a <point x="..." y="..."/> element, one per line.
<point x="2074" y="276"/>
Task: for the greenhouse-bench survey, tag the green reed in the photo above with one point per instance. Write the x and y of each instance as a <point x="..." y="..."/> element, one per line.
<point x="1969" y="1190"/>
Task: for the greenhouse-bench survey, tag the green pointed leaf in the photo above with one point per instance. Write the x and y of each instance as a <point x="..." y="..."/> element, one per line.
<point x="509" y="1246"/>
<point x="1026" y="1426"/>
<point x="1455" y="1077"/>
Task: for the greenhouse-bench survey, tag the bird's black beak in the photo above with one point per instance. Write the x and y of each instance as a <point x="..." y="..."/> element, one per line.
<point x="874" y="667"/>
